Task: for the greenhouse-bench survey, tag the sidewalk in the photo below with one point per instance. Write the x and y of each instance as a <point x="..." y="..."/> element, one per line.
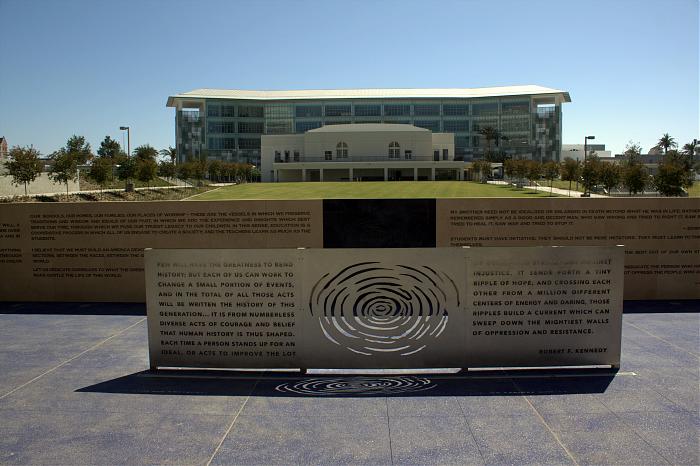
<point x="560" y="192"/>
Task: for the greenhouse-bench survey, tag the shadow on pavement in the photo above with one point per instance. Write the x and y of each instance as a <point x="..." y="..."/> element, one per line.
<point x="217" y="383"/>
<point x="56" y="308"/>
<point x="653" y="307"/>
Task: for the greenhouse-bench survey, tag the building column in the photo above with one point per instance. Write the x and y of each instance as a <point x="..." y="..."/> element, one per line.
<point x="275" y="177"/>
<point x="415" y="174"/>
<point x="320" y="174"/>
<point x="351" y="175"/>
<point x="432" y="174"/>
<point x="303" y="174"/>
<point x="386" y="174"/>
<point x="460" y="174"/>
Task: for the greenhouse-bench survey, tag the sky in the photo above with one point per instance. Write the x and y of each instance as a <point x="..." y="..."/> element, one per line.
<point x="89" y="66"/>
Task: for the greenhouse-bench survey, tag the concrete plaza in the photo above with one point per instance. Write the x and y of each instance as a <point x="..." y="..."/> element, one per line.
<point x="75" y="389"/>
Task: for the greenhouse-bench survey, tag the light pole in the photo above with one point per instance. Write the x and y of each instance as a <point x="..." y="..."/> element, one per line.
<point x="128" y="140"/>
<point x="585" y="154"/>
<point x="129" y="186"/>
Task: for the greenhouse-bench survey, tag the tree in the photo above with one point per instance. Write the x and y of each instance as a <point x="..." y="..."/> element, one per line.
<point x="199" y="169"/>
<point x="634" y="177"/>
<point x="184" y="171"/>
<point x="476" y="168"/>
<point x="79" y="149"/>
<point x="127" y="169"/>
<point x="146" y="170"/>
<point x="65" y="167"/>
<point x="666" y="142"/>
<point x="23" y="165"/>
<point x="170" y="152"/>
<point x="590" y="173"/>
<point x="166" y="169"/>
<point x="674" y="174"/>
<point x="145" y="152"/>
<point x="633" y="152"/>
<point x="101" y="170"/>
<point x="534" y="171"/>
<point x="569" y="171"/>
<point x="610" y="175"/>
<point x="490" y="134"/>
<point x="112" y="151"/>
<point x="215" y="170"/>
<point x="690" y="150"/>
<point x="509" y="168"/>
<point x="520" y="170"/>
<point x="550" y="170"/>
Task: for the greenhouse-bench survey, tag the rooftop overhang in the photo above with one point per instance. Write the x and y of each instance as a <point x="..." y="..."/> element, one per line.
<point x="368" y="94"/>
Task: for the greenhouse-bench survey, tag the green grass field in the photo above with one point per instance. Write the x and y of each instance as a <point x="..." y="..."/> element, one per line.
<point x="365" y="190"/>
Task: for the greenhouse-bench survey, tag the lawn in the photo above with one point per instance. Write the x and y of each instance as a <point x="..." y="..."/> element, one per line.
<point x="694" y="191"/>
<point x="365" y="190"/>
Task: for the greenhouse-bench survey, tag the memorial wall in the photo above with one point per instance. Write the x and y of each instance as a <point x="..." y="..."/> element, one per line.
<point x="94" y="251"/>
<point x="388" y="308"/>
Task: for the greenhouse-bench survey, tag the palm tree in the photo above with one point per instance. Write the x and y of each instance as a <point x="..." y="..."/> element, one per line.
<point x="169" y="152"/>
<point x="666" y="142"/>
<point x="490" y="134"/>
<point x="691" y="148"/>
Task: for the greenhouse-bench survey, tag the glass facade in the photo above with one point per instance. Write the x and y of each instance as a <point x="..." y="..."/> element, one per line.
<point x="527" y="127"/>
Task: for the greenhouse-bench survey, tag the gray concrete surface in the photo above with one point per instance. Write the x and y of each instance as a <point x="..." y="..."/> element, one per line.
<point x="75" y="389"/>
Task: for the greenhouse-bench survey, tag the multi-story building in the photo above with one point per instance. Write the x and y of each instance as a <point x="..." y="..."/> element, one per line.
<point x="576" y="151"/>
<point x="228" y="124"/>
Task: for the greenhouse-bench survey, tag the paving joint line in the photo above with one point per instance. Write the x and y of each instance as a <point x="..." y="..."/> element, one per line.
<point x="388" y="425"/>
<point x="547" y="426"/>
<point x="639" y="435"/>
<point x="71" y="359"/>
<point x="199" y="194"/>
<point x="471" y="432"/>
<point x="664" y="340"/>
<point x="230" y="427"/>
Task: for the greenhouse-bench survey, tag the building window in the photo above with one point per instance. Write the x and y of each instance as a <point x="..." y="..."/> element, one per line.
<point x="286" y="156"/>
<point x="304" y="126"/>
<point x="303" y="111"/>
<point x="338" y="110"/>
<point x="487" y="109"/>
<point x="228" y="111"/>
<point x="278" y="156"/>
<point x="213" y="110"/>
<point x="456" y="126"/>
<point x="432" y="125"/>
<point x="455" y="109"/>
<point x="408" y="154"/>
<point x="394" y="150"/>
<point x="436" y="155"/>
<point x="427" y="109"/>
<point x="250" y="127"/>
<point x="445" y="154"/>
<point x="249" y="143"/>
<point x="368" y="110"/>
<point x="250" y="111"/>
<point x="341" y="150"/>
<point x="397" y="109"/>
<point x="328" y="155"/>
<point x="296" y="155"/>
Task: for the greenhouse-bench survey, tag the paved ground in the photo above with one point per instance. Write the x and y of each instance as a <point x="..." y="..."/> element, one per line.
<point x="74" y="390"/>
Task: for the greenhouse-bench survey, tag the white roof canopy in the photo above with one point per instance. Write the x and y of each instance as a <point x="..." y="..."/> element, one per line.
<point x="340" y="94"/>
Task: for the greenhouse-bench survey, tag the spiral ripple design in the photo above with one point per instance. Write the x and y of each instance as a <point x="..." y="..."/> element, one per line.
<point x="375" y="308"/>
<point x="357" y="386"/>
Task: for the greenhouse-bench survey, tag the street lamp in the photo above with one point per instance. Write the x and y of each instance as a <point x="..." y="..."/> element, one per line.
<point x="129" y="186"/>
<point x="128" y="140"/>
<point x="585" y="147"/>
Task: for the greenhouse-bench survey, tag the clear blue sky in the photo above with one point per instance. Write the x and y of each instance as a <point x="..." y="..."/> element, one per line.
<point x="89" y="66"/>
